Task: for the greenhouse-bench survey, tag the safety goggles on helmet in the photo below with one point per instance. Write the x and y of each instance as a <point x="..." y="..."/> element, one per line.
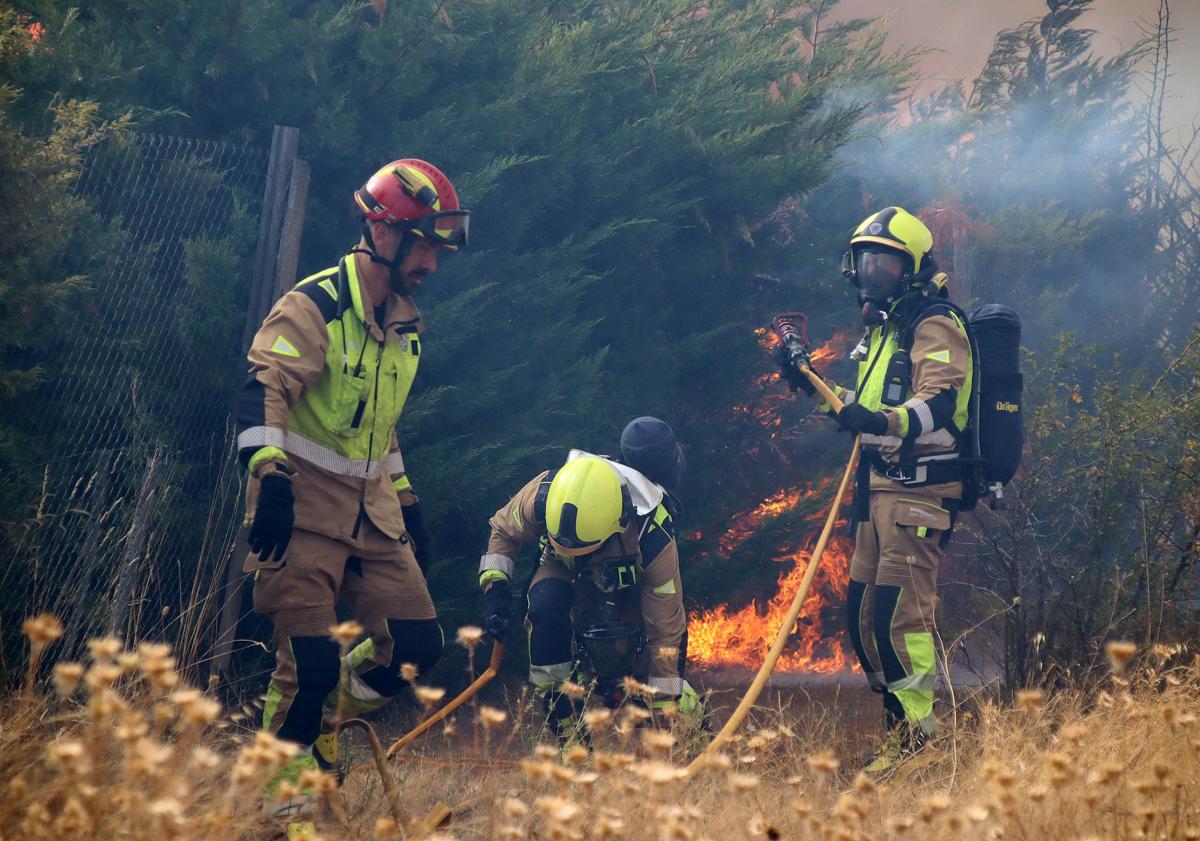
<point x="415" y="196"/>
<point x="448" y="229"/>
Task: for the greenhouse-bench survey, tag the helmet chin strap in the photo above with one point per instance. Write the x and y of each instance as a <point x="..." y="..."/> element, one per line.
<point x="393" y="265"/>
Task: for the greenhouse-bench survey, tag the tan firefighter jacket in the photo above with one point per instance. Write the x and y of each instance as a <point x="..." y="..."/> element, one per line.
<point x="649" y="541"/>
<point x="327" y="385"/>
<point x="935" y="407"/>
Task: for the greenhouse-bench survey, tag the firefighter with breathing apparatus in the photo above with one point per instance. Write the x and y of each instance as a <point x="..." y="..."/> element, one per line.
<point x="910" y="405"/>
<point x="333" y="516"/>
<point x="607" y="588"/>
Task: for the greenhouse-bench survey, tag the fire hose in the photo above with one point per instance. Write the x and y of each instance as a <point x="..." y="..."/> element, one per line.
<point x="411" y="829"/>
<point x="440" y="812"/>
<point x="792" y="331"/>
<point x="464" y="696"/>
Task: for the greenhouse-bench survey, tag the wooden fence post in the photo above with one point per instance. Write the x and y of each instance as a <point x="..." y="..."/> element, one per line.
<point x="275" y="262"/>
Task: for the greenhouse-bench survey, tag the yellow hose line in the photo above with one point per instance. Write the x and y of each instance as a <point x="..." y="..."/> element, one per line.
<point x="463" y="697"/>
<point x="789" y="622"/>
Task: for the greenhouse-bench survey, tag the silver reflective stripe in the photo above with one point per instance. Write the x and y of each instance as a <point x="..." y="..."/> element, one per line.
<point x="393" y="465"/>
<point x="496" y="561"/>
<point x="323" y="457"/>
<point x="547" y="678"/>
<point x="875" y="680"/>
<point x="327" y="459"/>
<point x="939" y="457"/>
<point x="666" y="685"/>
<point x="359" y="691"/>
<point x="921" y="409"/>
<point x="916" y="683"/>
<point x="941" y="438"/>
<point x="261" y="436"/>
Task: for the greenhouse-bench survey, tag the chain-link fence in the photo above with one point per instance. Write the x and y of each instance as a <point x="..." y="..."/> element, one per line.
<point x="137" y="500"/>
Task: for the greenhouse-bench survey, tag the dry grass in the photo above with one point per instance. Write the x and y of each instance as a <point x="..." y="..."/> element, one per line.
<point x="120" y="750"/>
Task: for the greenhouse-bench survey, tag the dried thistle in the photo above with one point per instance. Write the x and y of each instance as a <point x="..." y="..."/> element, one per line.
<point x="1119" y="652"/>
<point x="658" y="741"/>
<point x="596" y="719"/>
<point x="658" y="773"/>
<point x="515" y="808"/>
<point x="41" y="630"/>
<point x="66" y="678"/>
<point x="1031" y="700"/>
<point x="742" y="783"/>
<point x="491" y="717"/>
<point x="824" y="763"/>
<point x="572" y="690"/>
<point x="470" y="636"/>
<point x="346" y="633"/>
<point x="429" y="695"/>
<point x="558" y="809"/>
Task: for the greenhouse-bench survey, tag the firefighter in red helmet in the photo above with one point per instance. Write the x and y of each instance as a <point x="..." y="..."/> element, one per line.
<point x="333" y="516"/>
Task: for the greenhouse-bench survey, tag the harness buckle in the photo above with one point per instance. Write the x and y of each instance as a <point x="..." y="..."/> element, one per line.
<point x="896" y="473"/>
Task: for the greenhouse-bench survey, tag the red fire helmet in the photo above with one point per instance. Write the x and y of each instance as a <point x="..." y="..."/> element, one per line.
<point x="417" y="195"/>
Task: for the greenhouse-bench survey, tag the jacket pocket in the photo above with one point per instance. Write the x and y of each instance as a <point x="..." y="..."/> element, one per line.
<point x="396" y="375"/>
<point x="349" y="402"/>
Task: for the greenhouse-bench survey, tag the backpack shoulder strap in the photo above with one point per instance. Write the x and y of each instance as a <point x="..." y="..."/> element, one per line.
<point x="543" y="491"/>
<point x="939" y="307"/>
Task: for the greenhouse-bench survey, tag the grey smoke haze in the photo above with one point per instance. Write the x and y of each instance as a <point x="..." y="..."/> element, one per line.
<point x="963" y="30"/>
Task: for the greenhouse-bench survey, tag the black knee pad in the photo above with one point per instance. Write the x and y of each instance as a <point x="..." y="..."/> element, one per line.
<point x="416" y="641"/>
<point x="854" y="600"/>
<point x="886" y="598"/>
<point x="550" y="602"/>
<point x="318" y="667"/>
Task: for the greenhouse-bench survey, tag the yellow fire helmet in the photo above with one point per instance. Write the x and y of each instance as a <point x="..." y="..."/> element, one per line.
<point x="587" y="503"/>
<point x="895" y="228"/>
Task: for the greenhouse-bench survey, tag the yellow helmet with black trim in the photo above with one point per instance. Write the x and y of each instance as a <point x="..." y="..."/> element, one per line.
<point x="895" y="228"/>
<point x="586" y="504"/>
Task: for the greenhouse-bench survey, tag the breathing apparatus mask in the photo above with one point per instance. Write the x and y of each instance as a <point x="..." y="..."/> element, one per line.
<point x="612" y="643"/>
<point x="883" y="277"/>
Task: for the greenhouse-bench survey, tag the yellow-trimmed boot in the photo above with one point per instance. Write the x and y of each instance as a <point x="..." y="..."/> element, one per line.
<point x="891" y="754"/>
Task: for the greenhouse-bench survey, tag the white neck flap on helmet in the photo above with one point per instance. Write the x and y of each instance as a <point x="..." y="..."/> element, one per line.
<point x="645" y="495"/>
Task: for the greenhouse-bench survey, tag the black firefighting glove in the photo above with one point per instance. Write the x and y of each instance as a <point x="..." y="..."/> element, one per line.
<point x="791" y="374"/>
<point x="855" y="418"/>
<point x="271" y="530"/>
<point x="422" y="542"/>
<point x="497" y="609"/>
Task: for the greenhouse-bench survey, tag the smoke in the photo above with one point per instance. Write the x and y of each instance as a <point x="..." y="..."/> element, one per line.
<point x="1033" y="206"/>
<point x="962" y="34"/>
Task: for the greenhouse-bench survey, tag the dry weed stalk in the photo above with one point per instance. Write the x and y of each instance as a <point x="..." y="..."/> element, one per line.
<point x="122" y="749"/>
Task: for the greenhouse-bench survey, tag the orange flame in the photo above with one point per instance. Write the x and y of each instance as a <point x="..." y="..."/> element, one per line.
<point x="722" y="636"/>
<point x="818" y="644"/>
